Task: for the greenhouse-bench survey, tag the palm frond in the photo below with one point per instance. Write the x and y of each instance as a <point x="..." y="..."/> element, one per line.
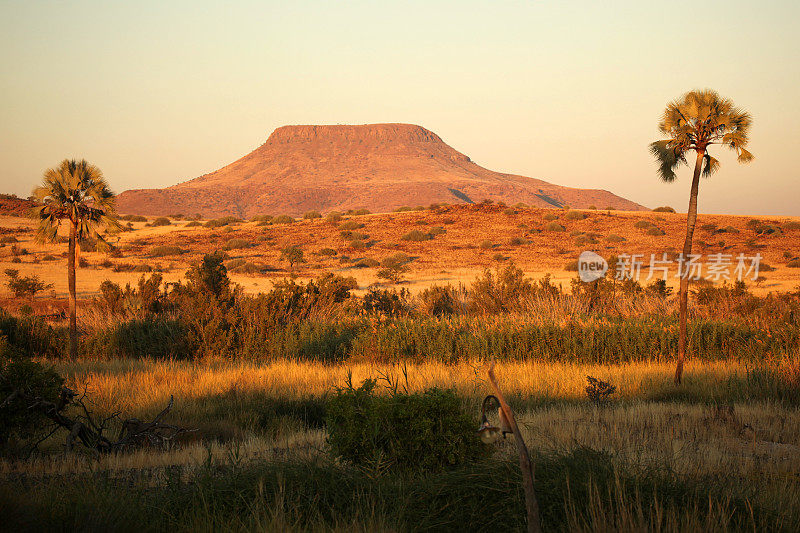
<point x="668" y="159"/>
<point x="710" y="165"/>
<point x="744" y="156"/>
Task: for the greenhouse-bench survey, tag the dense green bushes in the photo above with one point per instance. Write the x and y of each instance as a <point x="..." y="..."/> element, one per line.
<point x="425" y="432"/>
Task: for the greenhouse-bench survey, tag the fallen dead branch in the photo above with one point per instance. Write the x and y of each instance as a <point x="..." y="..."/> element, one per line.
<point x="89" y="431"/>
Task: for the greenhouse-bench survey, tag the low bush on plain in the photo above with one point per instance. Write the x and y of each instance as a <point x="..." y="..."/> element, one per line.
<point x="427" y="432"/>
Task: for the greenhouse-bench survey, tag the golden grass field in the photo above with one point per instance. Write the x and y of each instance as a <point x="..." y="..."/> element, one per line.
<point x="645" y="428"/>
<point x="476" y="238"/>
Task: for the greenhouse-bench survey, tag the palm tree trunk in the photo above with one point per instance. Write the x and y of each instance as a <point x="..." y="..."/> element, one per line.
<point x="683" y="295"/>
<point x="73" y="320"/>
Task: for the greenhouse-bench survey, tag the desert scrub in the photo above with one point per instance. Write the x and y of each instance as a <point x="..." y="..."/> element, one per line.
<point x="161" y="221"/>
<point x="655" y="231"/>
<point x="555" y="226"/>
<point x="165" y="250"/>
<point x="425" y="432"/>
<point x="574" y="215"/>
<point x="417" y="235"/>
<point x="350" y="225"/>
<point x="613" y="237"/>
<point x="134" y="218"/>
<point x="367" y="262"/>
<point x="550" y="216"/>
<point x="224" y="221"/>
<point x="664" y="209"/>
<point x="283" y="219"/>
<point x="236" y="244"/>
<point x="311" y="215"/>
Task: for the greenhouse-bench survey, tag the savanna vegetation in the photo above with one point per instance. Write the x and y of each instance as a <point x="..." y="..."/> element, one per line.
<point x="309" y="407"/>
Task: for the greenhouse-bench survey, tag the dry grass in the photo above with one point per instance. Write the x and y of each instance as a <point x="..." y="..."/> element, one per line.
<point x="757" y="438"/>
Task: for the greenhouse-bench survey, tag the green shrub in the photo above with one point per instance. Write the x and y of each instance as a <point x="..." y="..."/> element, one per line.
<point x="312" y="215"/>
<point x="642" y="224"/>
<point x="134" y="218"/>
<point x="437" y="230"/>
<point x="236" y="244"/>
<point x="403" y="209"/>
<point x="358" y="212"/>
<point x="161" y="251"/>
<point x="574" y="215"/>
<point x="326" y="251"/>
<point x="142" y="268"/>
<point x="153" y="336"/>
<point x="393" y="267"/>
<point x="518" y="241"/>
<point x="550" y="216"/>
<point x="193" y="224"/>
<point x="292" y="255"/>
<point x="161" y="221"/>
<point x="613" y="237"/>
<point x="664" y="209"/>
<point x="33" y="380"/>
<point x="486" y="244"/>
<point x="261" y="218"/>
<point x="728" y="229"/>
<point x="283" y="219"/>
<point x="25" y="286"/>
<point x="417" y="235"/>
<point x="655" y="230"/>
<point x="555" y="226"/>
<point x="334" y="217"/>
<point x="358" y="244"/>
<point x="583" y="240"/>
<point x="427" y="432"/>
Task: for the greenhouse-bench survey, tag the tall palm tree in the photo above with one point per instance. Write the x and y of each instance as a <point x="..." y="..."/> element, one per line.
<point x="695" y="122"/>
<point x="74" y="192"/>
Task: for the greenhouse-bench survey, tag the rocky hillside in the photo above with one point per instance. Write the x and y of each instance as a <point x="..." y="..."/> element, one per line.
<point x="379" y="167"/>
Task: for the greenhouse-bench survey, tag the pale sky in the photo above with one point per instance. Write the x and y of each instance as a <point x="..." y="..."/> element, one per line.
<point x="569" y="92"/>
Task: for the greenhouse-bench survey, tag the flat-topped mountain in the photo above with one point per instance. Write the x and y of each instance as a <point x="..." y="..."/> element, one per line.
<point x="375" y="166"/>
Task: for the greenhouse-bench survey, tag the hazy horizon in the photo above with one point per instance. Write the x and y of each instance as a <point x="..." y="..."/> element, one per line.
<point x="567" y="93"/>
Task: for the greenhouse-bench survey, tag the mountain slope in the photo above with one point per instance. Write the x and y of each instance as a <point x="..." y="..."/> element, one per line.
<point x="376" y="166"/>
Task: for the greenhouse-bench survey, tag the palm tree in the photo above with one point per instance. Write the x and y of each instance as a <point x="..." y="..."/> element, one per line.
<point x="697" y="121"/>
<point x="74" y="192"/>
